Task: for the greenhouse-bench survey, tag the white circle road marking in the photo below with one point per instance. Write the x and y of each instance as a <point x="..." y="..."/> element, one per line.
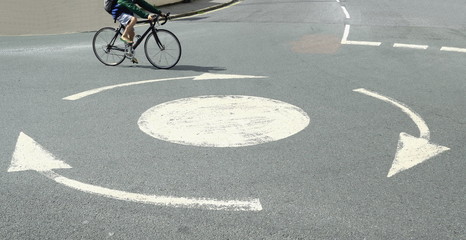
<point x="223" y="121"/>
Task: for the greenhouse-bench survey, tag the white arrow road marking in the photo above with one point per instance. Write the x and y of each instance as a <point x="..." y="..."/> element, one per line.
<point x="423" y="129"/>
<point x="411" y="151"/>
<point x="29" y="155"/>
<point x="26" y="149"/>
<point x="205" y="76"/>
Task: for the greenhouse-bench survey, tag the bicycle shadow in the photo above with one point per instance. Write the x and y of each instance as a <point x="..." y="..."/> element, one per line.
<point x="193" y="68"/>
<point x="197" y="68"/>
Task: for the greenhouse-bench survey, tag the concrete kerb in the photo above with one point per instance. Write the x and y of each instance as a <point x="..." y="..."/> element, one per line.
<point x="204" y="10"/>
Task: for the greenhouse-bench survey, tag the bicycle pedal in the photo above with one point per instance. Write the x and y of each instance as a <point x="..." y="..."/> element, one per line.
<point x="134" y="60"/>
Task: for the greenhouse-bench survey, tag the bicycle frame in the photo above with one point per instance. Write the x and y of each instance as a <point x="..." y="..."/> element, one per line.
<point x="163" y="52"/>
<point x="151" y="29"/>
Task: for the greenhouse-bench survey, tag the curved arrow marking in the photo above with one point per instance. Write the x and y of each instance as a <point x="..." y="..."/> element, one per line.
<point x="411" y="151"/>
<point x="29" y="155"/>
<point x="205" y="76"/>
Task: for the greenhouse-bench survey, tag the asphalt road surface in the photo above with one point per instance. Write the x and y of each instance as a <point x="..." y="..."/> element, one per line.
<point x="282" y="120"/>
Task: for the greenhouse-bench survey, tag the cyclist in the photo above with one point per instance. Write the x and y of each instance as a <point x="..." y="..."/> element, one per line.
<point x="124" y="11"/>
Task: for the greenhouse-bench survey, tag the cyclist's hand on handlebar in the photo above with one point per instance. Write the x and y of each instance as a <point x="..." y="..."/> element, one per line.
<point x="152" y="17"/>
<point x="165" y="16"/>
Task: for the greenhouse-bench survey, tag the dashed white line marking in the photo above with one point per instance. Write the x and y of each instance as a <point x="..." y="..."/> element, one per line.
<point x="412" y="46"/>
<point x="453" y="49"/>
<point x="362" y="43"/>
<point x="345" y="41"/>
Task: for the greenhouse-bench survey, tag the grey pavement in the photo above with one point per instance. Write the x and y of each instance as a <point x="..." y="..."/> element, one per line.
<point x="21" y="17"/>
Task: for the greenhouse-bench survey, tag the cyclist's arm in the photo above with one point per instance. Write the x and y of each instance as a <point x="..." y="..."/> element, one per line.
<point x="133" y="8"/>
<point x="149" y="7"/>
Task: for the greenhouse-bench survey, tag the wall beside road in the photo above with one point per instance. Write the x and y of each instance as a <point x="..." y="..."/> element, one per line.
<point x="25" y="17"/>
<point x="164" y="2"/>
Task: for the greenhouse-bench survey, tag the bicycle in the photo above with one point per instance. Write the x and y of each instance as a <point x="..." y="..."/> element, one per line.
<point x="162" y="48"/>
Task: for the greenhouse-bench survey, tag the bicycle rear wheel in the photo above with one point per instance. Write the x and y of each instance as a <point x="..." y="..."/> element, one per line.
<point x="107" y="47"/>
<point x="164" y="53"/>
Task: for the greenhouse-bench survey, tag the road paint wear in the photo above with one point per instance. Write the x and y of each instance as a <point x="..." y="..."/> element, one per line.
<point x="223" y="121"/>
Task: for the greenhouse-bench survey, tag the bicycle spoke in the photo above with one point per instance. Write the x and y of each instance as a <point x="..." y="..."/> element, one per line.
<point x="165" y="55"/>
<point x="105" y="49"/>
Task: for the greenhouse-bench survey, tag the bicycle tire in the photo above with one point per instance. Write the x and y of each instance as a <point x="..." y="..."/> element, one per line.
<point x="167" y="56"/>
<point x="107" y="46"/>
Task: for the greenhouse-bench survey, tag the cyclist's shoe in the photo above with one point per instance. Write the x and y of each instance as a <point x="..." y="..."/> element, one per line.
<point x="134" y="60"/>
<point x="126" y="41"/>
<point x="129" y="51"/>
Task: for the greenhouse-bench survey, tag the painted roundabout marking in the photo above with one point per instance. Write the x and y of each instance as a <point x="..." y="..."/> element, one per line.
<point x="31" y="156"/>
<point x="223" y="121"/>
<point x="216" y="121"/>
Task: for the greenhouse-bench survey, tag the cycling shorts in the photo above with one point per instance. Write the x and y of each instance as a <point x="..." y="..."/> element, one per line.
<point x="124" y="18"/>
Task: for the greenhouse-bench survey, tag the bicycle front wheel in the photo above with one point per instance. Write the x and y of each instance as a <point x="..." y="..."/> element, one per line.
<point x="163" y="50"/>
<point x="107" y="46"/>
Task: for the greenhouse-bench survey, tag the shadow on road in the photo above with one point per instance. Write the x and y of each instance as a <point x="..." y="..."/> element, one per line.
<point x="183" y="68"/>
<point x="197" y="68"/>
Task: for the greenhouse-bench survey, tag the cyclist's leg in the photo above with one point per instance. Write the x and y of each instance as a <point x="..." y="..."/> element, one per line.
<point x="128" y="21"/>
<point x="130" y="29"/>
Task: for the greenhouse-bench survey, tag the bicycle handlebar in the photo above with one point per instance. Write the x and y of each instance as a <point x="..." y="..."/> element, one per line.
<point x="167" y="16"/>
<point x="156" y="19"/>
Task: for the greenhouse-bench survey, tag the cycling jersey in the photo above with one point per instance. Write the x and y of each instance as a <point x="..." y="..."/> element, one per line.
<point x="129" y="7"/>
